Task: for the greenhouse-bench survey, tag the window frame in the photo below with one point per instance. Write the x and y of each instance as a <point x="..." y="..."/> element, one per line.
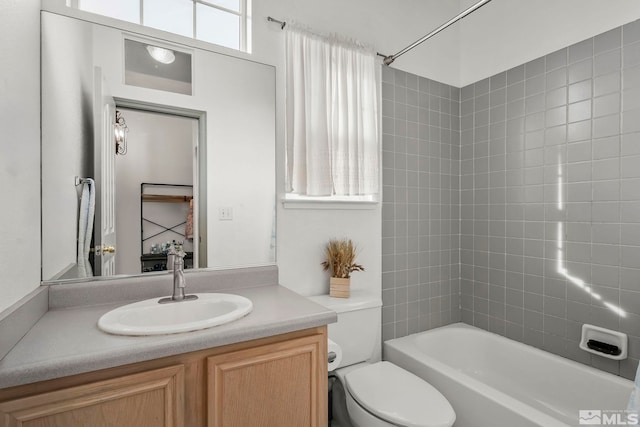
<point x="244" y="36"/>
<point x="298" y="201"/>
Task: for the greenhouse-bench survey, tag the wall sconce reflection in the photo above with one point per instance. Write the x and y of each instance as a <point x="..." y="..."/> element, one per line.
<point x="121" y="130"/>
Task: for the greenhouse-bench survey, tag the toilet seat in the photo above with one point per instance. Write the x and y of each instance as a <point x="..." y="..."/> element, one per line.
<point x="399" y="397"/>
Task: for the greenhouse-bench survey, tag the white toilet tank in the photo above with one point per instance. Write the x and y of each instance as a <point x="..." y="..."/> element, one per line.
<point x="358" y="328"/>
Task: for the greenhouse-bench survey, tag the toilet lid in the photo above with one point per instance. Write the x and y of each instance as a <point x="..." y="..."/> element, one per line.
<point x="399" y="397"/>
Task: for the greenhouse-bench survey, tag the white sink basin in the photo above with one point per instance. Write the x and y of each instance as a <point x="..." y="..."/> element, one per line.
<point x="150" y="318"/>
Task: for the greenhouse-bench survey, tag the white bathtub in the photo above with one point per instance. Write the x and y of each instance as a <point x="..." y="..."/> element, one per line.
<point x="492" y="381"/>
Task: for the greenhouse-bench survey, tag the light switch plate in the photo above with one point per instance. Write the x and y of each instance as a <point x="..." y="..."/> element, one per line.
<point x="225" y="213"/>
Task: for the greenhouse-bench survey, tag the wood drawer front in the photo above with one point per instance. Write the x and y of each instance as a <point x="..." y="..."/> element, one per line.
<point x="153" y="398"/>
<point x="279" y="384"/>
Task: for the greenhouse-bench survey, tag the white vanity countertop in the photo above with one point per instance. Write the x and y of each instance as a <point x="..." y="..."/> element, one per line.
<point x="67" y="341"/>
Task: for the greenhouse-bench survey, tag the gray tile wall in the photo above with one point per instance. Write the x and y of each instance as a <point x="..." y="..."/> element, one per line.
<point x="420" y="223"/>
<point x="550" y="198"/>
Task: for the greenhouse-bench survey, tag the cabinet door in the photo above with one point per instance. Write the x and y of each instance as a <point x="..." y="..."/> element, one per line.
<point x="280" y="384"/>
<point x="153" y="398"/>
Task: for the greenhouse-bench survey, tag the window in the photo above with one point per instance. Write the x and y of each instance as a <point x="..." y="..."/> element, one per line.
<point x="332" y="119"/>
<point x="222" y="22"/>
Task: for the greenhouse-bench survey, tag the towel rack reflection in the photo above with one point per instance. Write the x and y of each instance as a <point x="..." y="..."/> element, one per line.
<point x="80" y="181"/>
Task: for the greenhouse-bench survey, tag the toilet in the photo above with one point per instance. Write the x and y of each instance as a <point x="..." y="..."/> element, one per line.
<point x="378" y="394"/>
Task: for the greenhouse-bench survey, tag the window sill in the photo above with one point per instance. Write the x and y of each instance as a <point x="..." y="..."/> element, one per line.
<point x="291" y="201"/>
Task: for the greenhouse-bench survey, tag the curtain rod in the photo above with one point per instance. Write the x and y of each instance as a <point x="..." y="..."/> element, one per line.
<point x="390" y="58"/>
<point x="282" y="23"/>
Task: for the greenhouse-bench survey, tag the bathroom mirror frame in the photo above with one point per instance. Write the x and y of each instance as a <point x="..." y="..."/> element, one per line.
<point x="204" y="155"/>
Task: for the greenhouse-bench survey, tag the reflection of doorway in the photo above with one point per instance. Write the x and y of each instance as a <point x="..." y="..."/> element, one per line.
<point x="161" y="149"/>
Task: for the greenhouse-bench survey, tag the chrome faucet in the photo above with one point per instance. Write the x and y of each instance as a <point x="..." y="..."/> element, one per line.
<point x="179" y="283"/>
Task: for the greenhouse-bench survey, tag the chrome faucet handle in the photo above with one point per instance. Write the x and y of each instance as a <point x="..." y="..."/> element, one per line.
<point x="174" y="253"/>
<point x="179" y="282"/>
<point x="178" y="259"/>
<point x="171" y="259"/>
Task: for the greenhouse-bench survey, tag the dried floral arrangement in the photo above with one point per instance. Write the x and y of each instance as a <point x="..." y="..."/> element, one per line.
<point x="341" y="256"/>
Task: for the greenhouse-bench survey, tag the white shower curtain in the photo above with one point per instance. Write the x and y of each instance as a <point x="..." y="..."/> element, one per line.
<point x="85" y="227"/>
<point x="332" y="116"/>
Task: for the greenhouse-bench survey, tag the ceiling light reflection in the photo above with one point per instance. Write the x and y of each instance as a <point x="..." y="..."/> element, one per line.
<point x="162" y="55"/>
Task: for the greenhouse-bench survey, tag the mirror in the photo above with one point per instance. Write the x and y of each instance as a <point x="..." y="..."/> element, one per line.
<point x="200" y="137"/>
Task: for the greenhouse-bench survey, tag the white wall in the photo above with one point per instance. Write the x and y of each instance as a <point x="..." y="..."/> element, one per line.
<point x="388" y="26"/>
<point x="498" y="36"/>
<point x="241" y="162"/>
<point x="20" y="148"/>
<point x="506" y="33"/>
<point x="67" y="138"/>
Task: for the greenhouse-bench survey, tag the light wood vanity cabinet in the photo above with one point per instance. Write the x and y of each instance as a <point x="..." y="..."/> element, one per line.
<point x="277" y="381"/>
<point x="152" y="398"/>
<point x="271" y="385"/>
